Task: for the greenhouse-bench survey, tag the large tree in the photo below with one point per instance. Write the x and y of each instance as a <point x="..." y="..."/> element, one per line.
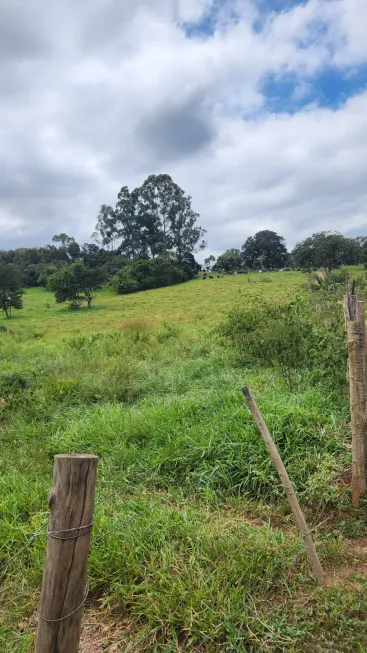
<point x="152" y="220"/>
<point x="265" y="250"/>
<point x="11" y="290"/>
<point x="326" y="249"/>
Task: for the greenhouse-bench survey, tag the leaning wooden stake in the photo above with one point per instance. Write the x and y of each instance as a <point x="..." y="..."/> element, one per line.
<point x="71" y="504"/>
<point x="291" y="496"/>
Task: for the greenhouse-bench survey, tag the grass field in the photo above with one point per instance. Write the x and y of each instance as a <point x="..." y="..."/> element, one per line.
<point x="194" y="302"/>
<point x="213" y="562"/>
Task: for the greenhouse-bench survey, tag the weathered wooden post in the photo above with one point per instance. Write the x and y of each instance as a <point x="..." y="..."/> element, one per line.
<point x="361" y="317"/>
<point x="288" y="487"/>
<point x="356" y="339"/>
<point x="71" y="504"/>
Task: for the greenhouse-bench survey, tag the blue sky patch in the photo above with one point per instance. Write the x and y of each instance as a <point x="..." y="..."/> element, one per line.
<point x="267" y="7"/>
<point x="330" y="88"/>
<point x="207" y="25"/>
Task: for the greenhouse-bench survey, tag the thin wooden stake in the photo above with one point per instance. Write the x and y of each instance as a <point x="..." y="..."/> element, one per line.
<point x="71" y="504"/>
<point x="286" y="482"/>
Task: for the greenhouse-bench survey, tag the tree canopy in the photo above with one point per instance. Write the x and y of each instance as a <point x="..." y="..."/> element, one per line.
<point x="230" y="261"/>
<point x="76" y="283"/>
<point x="153" y="273"/>
<point x="265" y="250"/>
<point x="154" y="219"/>
<point x="326" y="249"/>
<point x="11" y="290"/>
<point x="209" y="261"/>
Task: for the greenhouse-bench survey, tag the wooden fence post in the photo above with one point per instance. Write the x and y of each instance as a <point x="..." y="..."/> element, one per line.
<point x="71" y="504"/>
<point x="361" y="317"/>
<point x="356" y="338"/>
<point x="288" y="487"/>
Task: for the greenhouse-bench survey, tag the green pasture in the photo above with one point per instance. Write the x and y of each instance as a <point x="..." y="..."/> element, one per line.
<point x="212" y="561"/>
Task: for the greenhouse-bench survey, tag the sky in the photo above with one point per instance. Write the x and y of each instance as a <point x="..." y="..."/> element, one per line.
<point x="256" y="108"/>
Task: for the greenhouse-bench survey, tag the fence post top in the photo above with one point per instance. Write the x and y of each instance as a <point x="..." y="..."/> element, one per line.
<point x="76" y="455"/>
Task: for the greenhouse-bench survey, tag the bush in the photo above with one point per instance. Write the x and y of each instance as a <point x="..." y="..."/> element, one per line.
<point x="153" y="273"/>
<point x="304" y="334"/>
<point x="125" y="286"/>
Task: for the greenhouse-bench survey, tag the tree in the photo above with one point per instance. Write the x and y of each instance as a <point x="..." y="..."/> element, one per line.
<point x="188" y="259"/>
<point x="230" y="261"/>
<point x="326" y="249"/>
<point x="68" y="245"/>
<point x="184" y="232"/>
<point x="209" y="262"/>
<point x="132" y="226"/>
<point x="32" y="274"/>
<point x="94" y="256"/>
<point x="150" y="221"/>
<point x="106" y="232"/>
<point x="266" y="249"/>
<point x="11" y="290"/>
<point x="76" y="283"/>
<point x="157" y="198"/>
<point x="362" y="248"/>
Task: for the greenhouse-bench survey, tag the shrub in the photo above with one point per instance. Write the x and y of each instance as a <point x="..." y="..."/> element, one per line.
<point x="304" y="334"/>
<point x="125" y="286"/>
<point x="153" y="273"/>
<point x="167" y="332"/>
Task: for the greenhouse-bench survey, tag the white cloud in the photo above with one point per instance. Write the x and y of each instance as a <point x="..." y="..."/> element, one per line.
<point x="105" y="93"/>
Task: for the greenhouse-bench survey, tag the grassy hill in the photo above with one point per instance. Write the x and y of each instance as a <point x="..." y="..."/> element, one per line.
<point x="210" y="560"/>
<point x="198" y="301"/>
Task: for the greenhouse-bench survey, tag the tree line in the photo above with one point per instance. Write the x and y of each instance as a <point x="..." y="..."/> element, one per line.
<point x="267" y="251"/>
<point x="148" y="240"/>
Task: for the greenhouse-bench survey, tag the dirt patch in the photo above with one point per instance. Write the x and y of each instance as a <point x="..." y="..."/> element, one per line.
<point x="347" y="575"/>
<point x="313" y="277"/>
<point x="112" y="635"/>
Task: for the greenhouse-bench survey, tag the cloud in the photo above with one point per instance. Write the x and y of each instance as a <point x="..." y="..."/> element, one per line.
<point x="96" y="95"/>
<point x="176" y="131"/>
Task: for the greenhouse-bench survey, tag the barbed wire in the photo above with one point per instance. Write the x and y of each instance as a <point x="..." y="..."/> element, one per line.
<point x="104" y="498"/>
<point x="141" y="475"/>
<point x="26" y="546"/>
<point x="128" y="521"/>
<point x="55" y="533"/>
<point x="70" y="614"/>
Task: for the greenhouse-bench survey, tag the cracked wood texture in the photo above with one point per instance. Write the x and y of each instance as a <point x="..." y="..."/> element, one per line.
<point x="358" y="403"/>
<point x="71" y="504"/>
